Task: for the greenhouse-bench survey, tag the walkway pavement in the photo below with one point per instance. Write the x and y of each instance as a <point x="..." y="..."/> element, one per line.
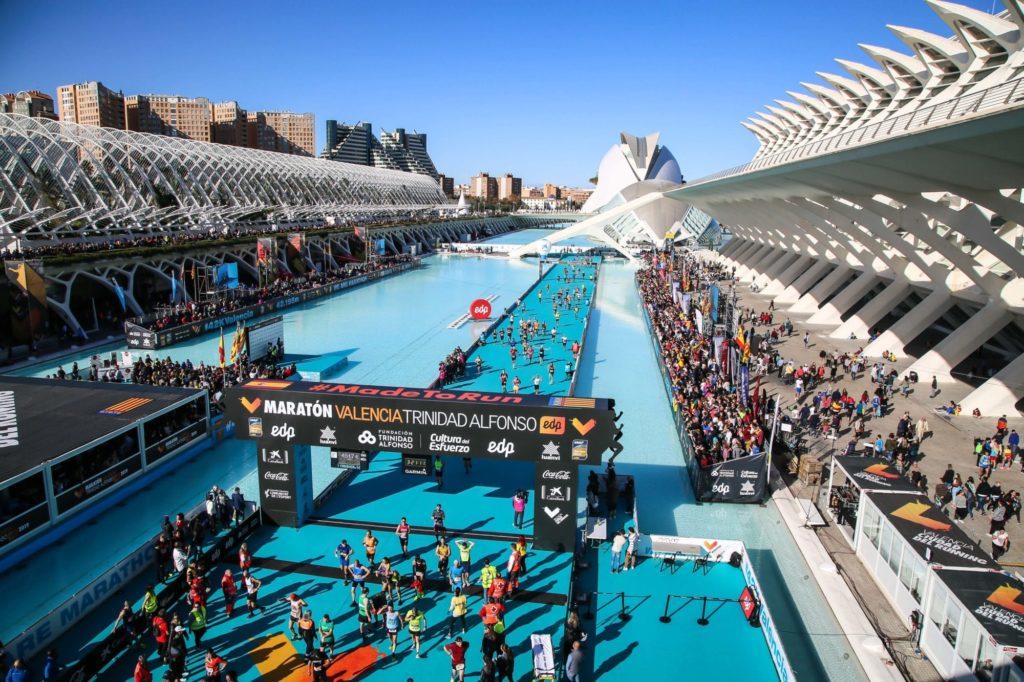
<point x="952" y="439"/>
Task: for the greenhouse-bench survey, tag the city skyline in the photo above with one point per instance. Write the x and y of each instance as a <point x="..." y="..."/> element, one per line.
<point x="555" y="91"/>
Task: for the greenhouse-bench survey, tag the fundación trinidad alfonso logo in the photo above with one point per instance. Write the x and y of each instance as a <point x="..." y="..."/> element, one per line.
<point x="880" y="470"/>
<point x="914" y="512"/>
<point x="1006" y="596"/>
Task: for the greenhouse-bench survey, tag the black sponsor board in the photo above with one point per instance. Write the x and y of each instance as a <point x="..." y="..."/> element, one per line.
<point x="417" y="465"/>
<point x="872" y="473"/>
<point x="932" y="534"/>
<point x="98" y="483"/>
<point x="24" y="523"/>
<point x="348" y="459"/>
<point x="418" y="421"/>
<point x="169" y="337"/>
<point x="114" y="645"/>
<point x="139" y="337"/>
<point x="995" y="599"/>
<point x="282" y="479"/>
<point x="554" y="505"/>
<point x="736" y="480"/>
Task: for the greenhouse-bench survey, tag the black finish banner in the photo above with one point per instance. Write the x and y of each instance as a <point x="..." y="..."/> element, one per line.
<point x="554" y="506"/>
<point x="424" y="421"/>
<point x="169" y="337"/>
<point x="737" y="480"/>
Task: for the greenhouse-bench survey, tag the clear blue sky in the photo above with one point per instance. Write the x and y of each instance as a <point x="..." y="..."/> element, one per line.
<point x="539" y="89"/>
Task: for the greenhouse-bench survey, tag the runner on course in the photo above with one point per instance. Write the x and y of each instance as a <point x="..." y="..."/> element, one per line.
<point x="370" y="543"/>
<point x="457" y="651"/>
<point x="417" y="624"/>
<point x="230" y="589"/>
<point x="392" y="623"/>
<point x="359" y="575"/>
<point x="252" y="588"/>
<point x="402" y="531"/>
<point x="344" y="554"/>
<point x="295" y="606"/>
<point x="325" y="631"/>
<point x="457" y="609"/>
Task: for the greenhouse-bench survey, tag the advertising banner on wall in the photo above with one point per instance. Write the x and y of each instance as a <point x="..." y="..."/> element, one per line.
<point x="265" y="247"/>
<point x="295" y="252"/>
<point x="738" y="480"/>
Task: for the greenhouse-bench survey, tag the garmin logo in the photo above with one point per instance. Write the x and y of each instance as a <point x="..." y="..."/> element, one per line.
<point x="8" y="420"/>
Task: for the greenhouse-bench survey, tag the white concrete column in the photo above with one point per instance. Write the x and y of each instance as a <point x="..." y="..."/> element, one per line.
<point x="998" y="395"/>
<point x="787" y="276"/>
<point x="810" y="301"/>
<point x="953" y="349"/>
<point x="831" y="312"/>
<point x="765" y="257"/>
<point x="860" y="323"/>
<point x="906" y="329"/>
<point x="751" y="258"/>
<point x="742" y="253"/>
<point x="804" y="282"/>
<point x="732" y="247"/>
<point x="734" y="257"/>
<point x="776" y="268"/>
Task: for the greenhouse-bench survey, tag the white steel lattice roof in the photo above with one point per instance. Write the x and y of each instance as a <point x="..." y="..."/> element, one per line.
<point x="60" y="180"/>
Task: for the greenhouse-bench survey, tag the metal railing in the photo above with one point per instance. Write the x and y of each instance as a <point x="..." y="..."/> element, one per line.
<point x="997" y="96"/>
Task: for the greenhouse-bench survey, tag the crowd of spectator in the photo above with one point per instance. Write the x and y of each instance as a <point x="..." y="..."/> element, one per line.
<point x="285" y="285"/>
<point x="720" y="427"/>
<point x="185" y="374"/>
<point x="67" y="247"/>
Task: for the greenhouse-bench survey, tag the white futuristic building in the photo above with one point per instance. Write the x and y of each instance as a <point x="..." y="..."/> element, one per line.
<point x="886" y="204"/>
<point x="64" y="180"/>
<point x="628" y="206"/>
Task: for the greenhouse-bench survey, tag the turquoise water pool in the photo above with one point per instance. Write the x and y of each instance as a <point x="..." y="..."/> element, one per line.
<point x="396" y="330"/>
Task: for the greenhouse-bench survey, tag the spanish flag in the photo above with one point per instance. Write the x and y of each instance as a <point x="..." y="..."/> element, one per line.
<point x="742" y="344"/>
<point x="220" y="348"/>
<point x="236" y="345"/>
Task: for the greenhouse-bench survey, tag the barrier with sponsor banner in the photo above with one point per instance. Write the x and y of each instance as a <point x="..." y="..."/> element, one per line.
<point x="138" y="336"/>
<point x="768" y="627"/>
<point x="104" y="652"/>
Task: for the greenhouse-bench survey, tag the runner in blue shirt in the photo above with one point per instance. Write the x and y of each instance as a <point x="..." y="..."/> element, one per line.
<point x="393" y="623"/>
<point x="344" y="554"/>
<point x="359" y="575"/>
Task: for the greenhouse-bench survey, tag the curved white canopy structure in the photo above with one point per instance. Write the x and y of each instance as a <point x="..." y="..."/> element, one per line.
<point x="61" y="180"/>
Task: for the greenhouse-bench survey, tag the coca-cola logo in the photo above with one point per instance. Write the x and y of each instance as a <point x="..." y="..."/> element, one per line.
<point x="276" y="476"/>
<point x="562" y="475"/>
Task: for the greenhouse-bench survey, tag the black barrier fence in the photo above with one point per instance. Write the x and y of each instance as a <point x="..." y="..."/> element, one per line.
<point x="747" y="476"/>
<point x="138" y="336"/>
<point x="107" y="650"/>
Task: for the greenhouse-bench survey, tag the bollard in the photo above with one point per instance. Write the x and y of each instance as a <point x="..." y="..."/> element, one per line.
<point x="665" y="618"/>
<point x="622" y="612"/>
<point x="703" y="620"/>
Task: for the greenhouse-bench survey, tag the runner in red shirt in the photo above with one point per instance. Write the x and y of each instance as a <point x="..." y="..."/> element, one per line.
<point x="244" y="557"/>
<point x="160" y="632"/>
<point x="142" y="673"/>
<point x="227" y="584"/>
<point x="457" y="651"/>
<point x="213" y="664"/>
